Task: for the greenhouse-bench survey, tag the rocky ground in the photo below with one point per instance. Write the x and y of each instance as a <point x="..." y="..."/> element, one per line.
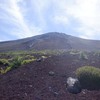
<point x="46" y="80"/>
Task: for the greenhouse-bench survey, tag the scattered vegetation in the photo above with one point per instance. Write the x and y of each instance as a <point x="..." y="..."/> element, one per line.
<point x="13" y="60"/>
<point x="4" y="62"/>
<point x="17" y="61"/>
<point x="27" y="61"/>
<point x="74" y="52"/>
<point x="83" y="56"/>
<point x="97" y="53"/>
<point x="89" y="77"/>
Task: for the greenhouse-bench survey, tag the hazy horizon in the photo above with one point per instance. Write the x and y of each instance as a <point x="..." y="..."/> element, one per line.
<point x="25" y="18"/>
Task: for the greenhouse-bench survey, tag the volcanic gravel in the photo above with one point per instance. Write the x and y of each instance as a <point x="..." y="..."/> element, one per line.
<point x="34" y="82"/>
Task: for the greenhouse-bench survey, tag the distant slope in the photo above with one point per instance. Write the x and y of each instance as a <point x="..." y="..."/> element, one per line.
<point x="52" y="41"/>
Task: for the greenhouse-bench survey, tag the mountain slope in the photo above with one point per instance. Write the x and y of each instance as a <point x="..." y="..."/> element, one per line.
<point x="50" y="41"/>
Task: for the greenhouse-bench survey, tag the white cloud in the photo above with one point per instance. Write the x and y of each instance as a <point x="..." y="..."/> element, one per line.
<point x="86" y="33"/>
<point x="85" y="12"/>
<point x="12" y="13"/>
<point x="63" y="20"/>
<point x="39" y="7"/>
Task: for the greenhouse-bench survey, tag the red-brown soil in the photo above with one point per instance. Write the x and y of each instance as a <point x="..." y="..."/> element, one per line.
<point x="33" y="82"/>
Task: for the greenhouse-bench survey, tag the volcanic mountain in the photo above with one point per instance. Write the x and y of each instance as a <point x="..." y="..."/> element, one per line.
<point x="45" y="79"/>
<point x="50" y="41"/>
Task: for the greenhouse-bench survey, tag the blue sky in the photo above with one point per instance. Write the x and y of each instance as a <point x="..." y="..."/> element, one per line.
<point x="26" y="18"/>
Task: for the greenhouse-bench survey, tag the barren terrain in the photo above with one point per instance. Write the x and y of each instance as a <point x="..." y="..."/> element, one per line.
<point x="33" y="81"/>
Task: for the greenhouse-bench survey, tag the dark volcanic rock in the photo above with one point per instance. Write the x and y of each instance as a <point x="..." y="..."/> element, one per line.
<point x="50" y="41"/>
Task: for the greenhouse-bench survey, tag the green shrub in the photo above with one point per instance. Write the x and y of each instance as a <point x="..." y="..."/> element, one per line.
<point x="83" y="56"/>
<point x="7" y="69"/>
<point x="89" y="77"/>
<point x="17" y="61"/>
<point x="2" y="71"/>
<point x="27" y="61"/>
<point x="28" y="57"/>
<point x="74" y="52"/>
<point x="4" y="61"/>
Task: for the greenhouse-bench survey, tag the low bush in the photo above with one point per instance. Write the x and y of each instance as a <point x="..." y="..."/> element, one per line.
<point x="27" y="61"/>
<point x="89" y="77"/>
<point x="83" y="56"/>
<point x="4" y="62"/>
<point x="17" y="61"/>
<point x="28" y="57"/>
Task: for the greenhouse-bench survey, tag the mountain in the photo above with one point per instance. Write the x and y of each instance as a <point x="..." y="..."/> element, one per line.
<point x="51" y="41"/>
